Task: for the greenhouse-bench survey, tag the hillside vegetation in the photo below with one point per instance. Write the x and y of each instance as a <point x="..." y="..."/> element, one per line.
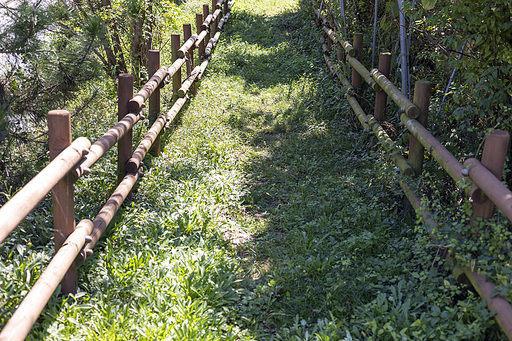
<point x="268" y="216"/>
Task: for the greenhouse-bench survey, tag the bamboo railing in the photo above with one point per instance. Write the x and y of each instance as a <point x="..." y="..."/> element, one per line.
<point x="480" y="180"/>
<point x="72" y="160"/>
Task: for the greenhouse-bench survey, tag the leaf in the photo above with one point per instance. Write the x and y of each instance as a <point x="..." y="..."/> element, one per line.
<point x="428" y="4"/>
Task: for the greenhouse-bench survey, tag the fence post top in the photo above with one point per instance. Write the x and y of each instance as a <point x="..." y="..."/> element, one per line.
<point x="125" y="75"/>
<point x="58" y="113"/>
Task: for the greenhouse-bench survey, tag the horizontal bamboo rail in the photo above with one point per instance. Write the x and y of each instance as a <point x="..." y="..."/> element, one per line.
<point x="349" y="49"/>
<point x="135" y="161"/>
<point x="204" y="64"/>
<point x="207" y="21"/>
<point x="108" y="211"/>
<point x="356" y="64"/>
<point x="211" y="44"/>
<point x="19" y="325"/>
<point x="136" y="102"/>
<point x="188" y="44"/>
<point x="500" y="195"/>
<point x="188" y="82"/>
<point x="449" y="163"/>
<point x="104" y="143"/>
<point x="16" y="209"/>
<point x="399" y="98"/>
<point x="200" y="38"/>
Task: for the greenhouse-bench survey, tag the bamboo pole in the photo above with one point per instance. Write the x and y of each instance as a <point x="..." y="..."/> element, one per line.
<point x="124" y="146"/>
<point x="204" y="64"/>
<point x="211" y="44"/>
<point x="136" y="102"/>
<point x="21" y="322"/>
<point x="138" y="155"/>
<point x="376" y="12"/>
<point x="103" y="144"/>
<point x="200" y="35"/>
<point x="207" y="21"/>
<point x="349" y="49"/>
<point x="449" y="163"/>
<point x="16" y="209"/>
<point x="399" y="98"/>
<point x="362" y="72"/>
<point x="108" y="211"/>
<point x="200" y="41"/>
<point x="190" y="40"/>
<point x="422" y="101"/>
<point x="404" y="55"/>
<point x="171" y="114"/>
<point x="358" y="45"/>
<point x="63" y="202"/>
<point x="206" y="24"/>
<point x="381" y="97"/>
<point x="135" y="161"/>
<point x="223" y="21"/>
<point x="189" y="82"/>
<point x="176" y="79"/>
<point x="496" y="304"/>
<point x="187" y="35"/>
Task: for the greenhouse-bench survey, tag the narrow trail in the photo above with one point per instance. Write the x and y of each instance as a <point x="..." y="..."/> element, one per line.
<point x="317" y="228"/>
<point x="320" y="235"/>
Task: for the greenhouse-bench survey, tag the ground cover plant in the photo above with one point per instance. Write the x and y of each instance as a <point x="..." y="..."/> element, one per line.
<point x="267" y="216"/>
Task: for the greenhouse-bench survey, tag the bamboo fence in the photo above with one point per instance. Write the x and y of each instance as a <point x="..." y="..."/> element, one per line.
<point x="72" y="160"/>
<point x="480" y="180"/>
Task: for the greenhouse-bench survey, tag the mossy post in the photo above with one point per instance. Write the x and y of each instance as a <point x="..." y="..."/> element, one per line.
<point x="493" y="158"/>
<point x="422" y="101"/>
<point x="206" y="12"/>
<point x="63" y="202"/>
<point x="199" y="23"/>
<point x="154" y="99"/>
<point x="124" y="146"/>
<point x="381" y="97"/>
<point x="176" y="79"/>
<point x="358" y="45"/>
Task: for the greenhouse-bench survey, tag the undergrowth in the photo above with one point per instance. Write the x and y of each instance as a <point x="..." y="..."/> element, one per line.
<point x="267" y="216"/>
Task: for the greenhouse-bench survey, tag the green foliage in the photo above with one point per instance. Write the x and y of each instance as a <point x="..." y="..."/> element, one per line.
<point x="265" y="217"/>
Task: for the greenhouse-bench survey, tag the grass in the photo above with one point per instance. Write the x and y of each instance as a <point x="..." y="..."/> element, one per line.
<point x="267" y="216"/>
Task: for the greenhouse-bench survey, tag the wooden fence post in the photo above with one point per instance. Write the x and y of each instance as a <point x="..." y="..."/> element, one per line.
<point x="422" y="101"/>
<point x="176" y="79"/>
<point x="493" y="158"/>
<point x="381" y="97"/>
<point x="187" y="33"/>
<point x="63" y="202"/>
<point x="199" y="23"/>
<point x="206" y="12"/>
<point x="213" y="25"/>
<point x="226" y="9"/>
<point x="154" y="99"/>
<point x="124" y="146"/>
<point x="358" y="45"/>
